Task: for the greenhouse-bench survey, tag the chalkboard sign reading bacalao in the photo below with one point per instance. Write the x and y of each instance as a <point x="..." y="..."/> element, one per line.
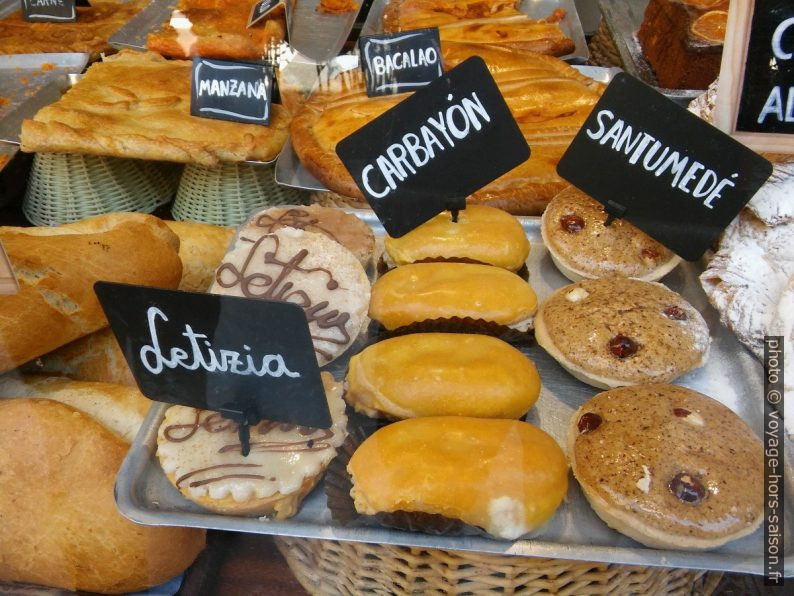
<point x="434" y="148"/>
<point x="398" y="62"/>
<point x="662" y="168"/>
<point x="221" y="353"/>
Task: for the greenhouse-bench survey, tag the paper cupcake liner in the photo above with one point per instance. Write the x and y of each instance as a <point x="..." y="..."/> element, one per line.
<point x="338" y="485"/>
<point x="454" y="325"/>
<point x="383" y="267"/>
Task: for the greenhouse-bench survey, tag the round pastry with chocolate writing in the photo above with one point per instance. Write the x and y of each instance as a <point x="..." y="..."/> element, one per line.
<point x="668" y="466"/>
<point x="480" y="234"/>
<point x="436" y="292"/>
<point x="305" y="268"/>
<point x="505" y="476"/>
<point x="619" y="331"/>
<point x="582" y="246"/>
<point x="442" y="374"/>
<point x="347" y="229"/>
<point x="200" y="454"/>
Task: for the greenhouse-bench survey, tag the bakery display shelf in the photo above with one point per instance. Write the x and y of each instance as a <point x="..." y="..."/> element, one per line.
<point x="536" y="9"/>
<point x="318" y="36"/>
<point x="732" y="375"/>
<point x="289" y="170"/>
<point x="31" y="81"/>
<point x="7" y="153"/>
<point x="622" y="19"/>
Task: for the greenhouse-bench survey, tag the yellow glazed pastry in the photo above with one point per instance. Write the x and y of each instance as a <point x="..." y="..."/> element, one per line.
<point x="668" y="466"/>
<point x="505" y="476"/>
<point x="442" y="374"/>
<point x="484" y="234"/>
<point x="427" y="291"/>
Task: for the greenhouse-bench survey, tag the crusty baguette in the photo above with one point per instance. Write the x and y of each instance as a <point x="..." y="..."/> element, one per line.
<point x="57" y="267"/>
<point x="60" y="526"/>
<point x="119" y="408"/>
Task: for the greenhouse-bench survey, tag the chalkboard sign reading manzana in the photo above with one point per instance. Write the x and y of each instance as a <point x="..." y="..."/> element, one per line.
<point x="236" y="91"/>
<point x="662" y="168"/>
<point x="434" y="148"/>
<point x="220" y="353"/>
<point x="55" y="11"/>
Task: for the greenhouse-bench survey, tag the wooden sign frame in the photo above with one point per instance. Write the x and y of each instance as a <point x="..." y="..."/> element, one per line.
<point x="731" y="81"/>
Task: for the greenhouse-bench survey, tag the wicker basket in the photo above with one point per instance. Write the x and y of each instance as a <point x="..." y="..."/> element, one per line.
<point x="332" y="567"/>
<point x="602" y="48"/>
<point x="227" y="195"/>
<point x="66" y="187"/>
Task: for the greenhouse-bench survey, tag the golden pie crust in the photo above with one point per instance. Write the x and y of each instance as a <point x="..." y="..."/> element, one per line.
<point x="137" y="104"/>
<point x="481" y="22"/>
<point x="89" y="33"/>
<point x="549" y="100"/>
<point x="217" y="29"/>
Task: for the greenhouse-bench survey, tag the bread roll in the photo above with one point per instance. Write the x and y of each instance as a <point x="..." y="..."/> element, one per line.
<point x="119" y="408"/>
<point x="57" y="267"/>
<point x="201" y="248"/>
<point x="442" y="374"/>
<point x="60" y="526"/>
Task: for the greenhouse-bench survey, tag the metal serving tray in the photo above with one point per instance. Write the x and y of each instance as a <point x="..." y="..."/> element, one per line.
<point x="289" y="170"/>
<point x="29" y="87"/>
<point x="536" y="9"/>
<point x="732" y="375"/>
<point x="317" y="35"/>
<point x="623" y="19"/>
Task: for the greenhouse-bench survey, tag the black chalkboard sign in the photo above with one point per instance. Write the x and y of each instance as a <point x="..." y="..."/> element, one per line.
<point x="236" y="91"/>
<point x="433" y="149"/>
<point x="767" y="100"/>
<point x="398" y="62"/>
<point x="220" y="353"/>
<point x="662" y="168"/>
<point x="265" y="8"/>
<point x="54" y="11"/>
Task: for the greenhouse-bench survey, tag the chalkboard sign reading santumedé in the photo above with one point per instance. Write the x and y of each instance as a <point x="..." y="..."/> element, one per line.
<point x="236" y="91"/>
<point x="433" y="149"/>
<point x="661" y="167"/>
<point x="221" y="353"/>
<point x="55" y="11"/>
<point x="398" y="62"/>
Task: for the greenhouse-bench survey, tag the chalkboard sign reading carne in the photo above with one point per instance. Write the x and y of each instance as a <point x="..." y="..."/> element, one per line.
<point x="246" y="357"/>
<point x="662" y="168"/>
<point x="755" y="100"/>
<point x="398" y="62"/>
<point x="433" y="149"/>
<point x="236" y="91"/>
<point x="54" y="11"/>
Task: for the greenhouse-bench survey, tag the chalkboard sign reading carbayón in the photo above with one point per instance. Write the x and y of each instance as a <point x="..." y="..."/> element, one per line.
<point x="662" y="168"/>
<point x="55" y="11"/>
<point x="236" y="91"/>
<point x="229" y="354"/>
<point x="433" y="149"/>
<point x="767" y="99"/>
<point x="398" y="62"/>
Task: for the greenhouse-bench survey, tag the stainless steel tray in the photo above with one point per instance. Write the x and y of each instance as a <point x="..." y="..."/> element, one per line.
<point x="318" y="36"/>
<point x="28" y="87"/>
<point x="290" y="172"/>
<point x="535" y="9"/>
<point x="732" y="375"/>
<point x="623" y="19"/>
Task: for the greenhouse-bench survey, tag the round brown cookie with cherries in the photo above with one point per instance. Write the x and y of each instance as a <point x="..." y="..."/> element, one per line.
<point x="668" y="466"/>
<point x="582" y="246"/>
<point x="619" y="331"/>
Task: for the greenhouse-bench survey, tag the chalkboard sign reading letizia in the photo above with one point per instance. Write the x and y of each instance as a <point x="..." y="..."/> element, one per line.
<point x="54" y="11"/>
<point x="235" y="91"/>
<point x="662" y="168"/>
<point x="247" y="358"/>
<point x="398" y="62"/>
<point x="433" y="149"/>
